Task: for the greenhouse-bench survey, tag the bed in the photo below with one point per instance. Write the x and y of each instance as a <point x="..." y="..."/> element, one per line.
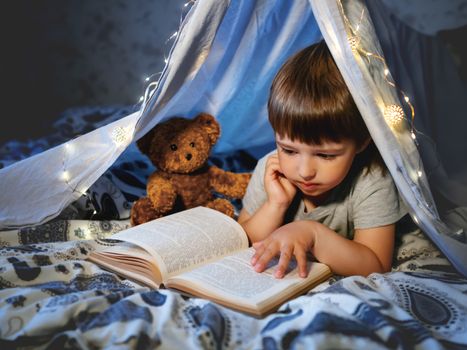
<point x="51" y="297"/>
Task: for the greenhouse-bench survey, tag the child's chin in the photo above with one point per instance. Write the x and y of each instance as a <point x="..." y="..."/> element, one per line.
<point x="311" y="193"/>
<point x="312" y="190"/>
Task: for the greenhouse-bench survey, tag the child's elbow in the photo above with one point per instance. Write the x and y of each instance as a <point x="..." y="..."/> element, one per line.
<point x="377" y="267"/>
<point x="384" y="267"/>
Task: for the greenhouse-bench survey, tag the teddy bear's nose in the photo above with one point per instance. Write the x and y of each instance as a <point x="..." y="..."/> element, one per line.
<point x="188" y="156"/>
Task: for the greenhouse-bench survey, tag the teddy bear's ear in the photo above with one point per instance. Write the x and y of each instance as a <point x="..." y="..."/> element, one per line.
<point x="210" y="125"/>
<point x="145" y="142"/>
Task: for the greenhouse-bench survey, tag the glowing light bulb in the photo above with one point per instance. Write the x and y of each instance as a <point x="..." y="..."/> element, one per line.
<point x="419" y="173"/>
<point x="353" y="42"/>
<point x="119" y="135"/>
<point x="68" y="148"/>
<point x="147" y="79"/>
<point x="166" y="60"/>
<point x="141" y="99"/>
<point x="66" y="176"/>
<point x="394" y="115"/>
<point x="412" y="134"/>
<point x="386" y="72"/>
<point x="406" y="99"/>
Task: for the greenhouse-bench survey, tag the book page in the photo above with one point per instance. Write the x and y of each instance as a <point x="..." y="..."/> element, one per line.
<point x="186" y="239"/>
<point x="138" y="265"/>
<point x="233" y="279"/>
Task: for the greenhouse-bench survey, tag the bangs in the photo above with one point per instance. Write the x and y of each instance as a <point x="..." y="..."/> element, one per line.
<point x="309" y="121"/>
<point x="315" y="131"/>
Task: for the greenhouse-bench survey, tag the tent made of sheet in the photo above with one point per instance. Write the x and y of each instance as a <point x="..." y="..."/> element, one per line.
<point x="224" y="58"/>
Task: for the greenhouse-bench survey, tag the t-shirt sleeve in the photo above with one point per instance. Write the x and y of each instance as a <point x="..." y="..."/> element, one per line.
<point x="255" y="194"/>
<point x="376" y="201"/>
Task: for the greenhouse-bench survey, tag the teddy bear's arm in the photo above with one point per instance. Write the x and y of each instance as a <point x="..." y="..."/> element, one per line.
<point x="161" y="192"/>
<point x="232" y="185"/>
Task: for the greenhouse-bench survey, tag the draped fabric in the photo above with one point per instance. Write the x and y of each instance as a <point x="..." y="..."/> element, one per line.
<point x="362" y="62"/>
<point x="253" y="41"/>
<point x="424" y="67"/>
<point x="223" y="61"/>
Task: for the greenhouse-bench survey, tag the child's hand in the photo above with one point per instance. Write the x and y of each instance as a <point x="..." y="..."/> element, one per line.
<point x="279" y="189"/>
<point x="293" y="239"/>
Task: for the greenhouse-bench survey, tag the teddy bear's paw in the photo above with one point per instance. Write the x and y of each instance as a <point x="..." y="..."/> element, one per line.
<point x="242" y="183"/>
<point x="143" y="211"/>
<point x="229" y="184"/>
<point x="222" y="205"/>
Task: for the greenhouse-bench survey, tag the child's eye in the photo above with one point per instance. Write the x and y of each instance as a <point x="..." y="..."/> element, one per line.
<point x="326" y="156"/>
<point x="288" y="151"/>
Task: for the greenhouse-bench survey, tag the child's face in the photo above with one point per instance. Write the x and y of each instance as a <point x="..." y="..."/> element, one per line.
<point x="315" y="169"/>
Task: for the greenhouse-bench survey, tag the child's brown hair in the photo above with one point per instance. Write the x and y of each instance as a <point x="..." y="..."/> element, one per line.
<point x="310" y="102"/>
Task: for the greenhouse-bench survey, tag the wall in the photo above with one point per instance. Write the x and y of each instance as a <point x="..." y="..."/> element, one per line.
<point x="58" y="54"/>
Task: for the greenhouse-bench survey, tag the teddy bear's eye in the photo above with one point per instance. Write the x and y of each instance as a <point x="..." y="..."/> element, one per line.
<point x="173" y="147"/>
<point x="192" y="144"/>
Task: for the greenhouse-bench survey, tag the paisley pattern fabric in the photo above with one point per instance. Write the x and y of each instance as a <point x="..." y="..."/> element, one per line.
<point x="52" y="297"/>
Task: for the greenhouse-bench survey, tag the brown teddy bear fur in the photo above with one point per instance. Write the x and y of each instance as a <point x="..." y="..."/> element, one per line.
<point x="179" y="148"/>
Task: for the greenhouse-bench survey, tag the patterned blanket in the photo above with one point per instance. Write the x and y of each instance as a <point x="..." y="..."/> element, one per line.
<point x="51" y="297"/>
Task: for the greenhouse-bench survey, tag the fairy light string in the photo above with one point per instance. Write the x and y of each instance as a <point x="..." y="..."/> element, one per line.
<point x="153" y="80"/>
<point x="119" y="135"/>
<point x="69" y="148"/>
<point x="394" y="114"/>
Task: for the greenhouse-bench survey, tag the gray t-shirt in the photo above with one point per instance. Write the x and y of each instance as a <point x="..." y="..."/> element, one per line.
<point x="366" y="200"/>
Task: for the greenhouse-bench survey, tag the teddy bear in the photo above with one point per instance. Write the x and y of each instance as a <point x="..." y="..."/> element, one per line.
<point x="179" y="148"/>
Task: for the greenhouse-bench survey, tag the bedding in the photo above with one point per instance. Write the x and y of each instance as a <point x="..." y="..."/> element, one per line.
<point x="51" y="297"/>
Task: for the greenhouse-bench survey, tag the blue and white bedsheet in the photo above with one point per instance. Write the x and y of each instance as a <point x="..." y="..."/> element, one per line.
<point x="51" y="297"/>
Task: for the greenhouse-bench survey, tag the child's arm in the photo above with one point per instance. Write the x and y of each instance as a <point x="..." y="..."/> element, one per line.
<point x="370" y="251"/>
<point x="264" y="221"/>
<point x="280" y="193"/>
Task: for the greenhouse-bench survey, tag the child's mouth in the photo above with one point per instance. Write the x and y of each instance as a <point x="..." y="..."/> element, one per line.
<point x="308" y="186"/>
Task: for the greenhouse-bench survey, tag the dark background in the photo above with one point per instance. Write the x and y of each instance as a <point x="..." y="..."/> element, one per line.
<point x="58" y="54"/>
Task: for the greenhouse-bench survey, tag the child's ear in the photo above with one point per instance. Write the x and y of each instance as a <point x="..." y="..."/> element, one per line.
<point x="364" y="145"/>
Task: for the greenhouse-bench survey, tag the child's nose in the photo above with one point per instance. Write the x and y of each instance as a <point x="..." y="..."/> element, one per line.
<point x="307" y="170"/>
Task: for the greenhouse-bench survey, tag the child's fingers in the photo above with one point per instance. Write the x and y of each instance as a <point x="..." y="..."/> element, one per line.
<point x="277" y="186"/>
<point x="272" y="160"/>
<point x="273" y="168"/>
<point x="300" y="256"/>
<point x="257" y="245"/>
<point x="259" y="248"/>
<point x="269" y="252"/>
<point x="286" y="255"/>
<point x="287" y="185"/>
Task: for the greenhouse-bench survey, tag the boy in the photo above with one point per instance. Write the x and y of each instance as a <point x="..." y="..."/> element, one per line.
<point x="325" y="190"/>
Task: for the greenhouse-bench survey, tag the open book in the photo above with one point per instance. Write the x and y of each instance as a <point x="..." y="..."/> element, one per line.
<point x="204" y="253"/>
